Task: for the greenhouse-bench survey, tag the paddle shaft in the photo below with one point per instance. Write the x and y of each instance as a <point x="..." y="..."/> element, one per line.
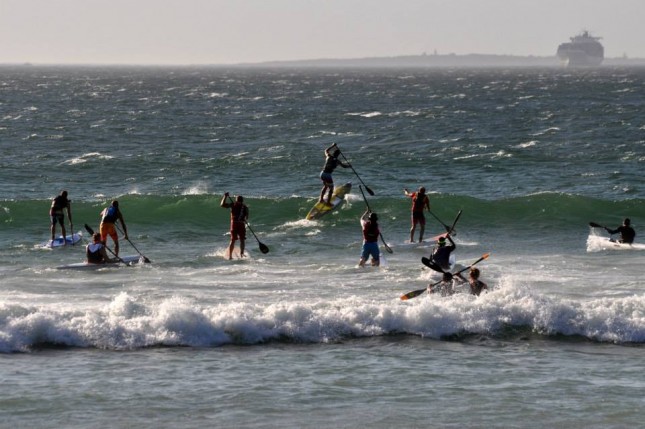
<point x="369" y="191"/>
<point x="145" y="258"/>
<point x="439" y="220"/>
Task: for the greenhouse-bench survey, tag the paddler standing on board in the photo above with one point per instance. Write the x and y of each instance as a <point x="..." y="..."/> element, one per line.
<point x="420" y="202"/>
<point x="60" y="204"/>
<point x="239" y="217"/>
<point x="369" y="222"/>
<point x="331" y="162"/>
<point x="109" y="216"/>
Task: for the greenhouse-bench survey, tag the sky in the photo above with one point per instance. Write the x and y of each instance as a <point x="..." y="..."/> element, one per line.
<point x="187" y="32"/>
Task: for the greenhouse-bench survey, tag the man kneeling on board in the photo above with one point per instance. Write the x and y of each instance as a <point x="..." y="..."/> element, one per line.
<point x="95" y="251"/>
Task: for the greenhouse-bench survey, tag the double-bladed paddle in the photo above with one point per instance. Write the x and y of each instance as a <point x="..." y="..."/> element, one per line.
<point x="370" y="210"/>
<point x="263" y="247"/>
<point x="418" y="292"/>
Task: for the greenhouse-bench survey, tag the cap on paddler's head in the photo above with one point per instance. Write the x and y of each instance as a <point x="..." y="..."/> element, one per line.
<point x="373" y="217"/>
<point x="442" y="241"/>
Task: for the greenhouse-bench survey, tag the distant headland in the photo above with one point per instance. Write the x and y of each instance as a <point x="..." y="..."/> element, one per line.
<point x="436" y="60"/>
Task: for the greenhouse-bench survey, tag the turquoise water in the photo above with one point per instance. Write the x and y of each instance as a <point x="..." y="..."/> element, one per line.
<point x="301" y="337"/>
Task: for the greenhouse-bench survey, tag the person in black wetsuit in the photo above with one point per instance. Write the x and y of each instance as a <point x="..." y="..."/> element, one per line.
<point x="331" y="162"/>
<point x="626" y="232"/>
<point x="60" y="204"/>
<point x="441" y="252"/>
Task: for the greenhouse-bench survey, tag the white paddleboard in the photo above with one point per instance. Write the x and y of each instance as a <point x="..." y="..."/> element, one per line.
<point x="59" y="241"/>
<point x="132" y="259"/>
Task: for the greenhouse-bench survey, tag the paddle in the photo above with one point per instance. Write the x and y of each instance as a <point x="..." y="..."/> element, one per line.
<point x="449" y="229"/>
<point x="452" y="228"/>
<point x="370" y="210"/>
<point x="145" y="259"/>
<point x="418" y="292"/>
<point x="595" y="225"/>
<point x="367" y="188"/>
<point x="91" y="232"/>
<point x="263" y="247"/>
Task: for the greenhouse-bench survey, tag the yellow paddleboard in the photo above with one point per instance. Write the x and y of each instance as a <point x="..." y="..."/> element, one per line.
<point x="337" y="198"/>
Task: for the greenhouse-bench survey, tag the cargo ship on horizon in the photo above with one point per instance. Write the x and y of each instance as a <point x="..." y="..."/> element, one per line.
<point x="584" y="50"/>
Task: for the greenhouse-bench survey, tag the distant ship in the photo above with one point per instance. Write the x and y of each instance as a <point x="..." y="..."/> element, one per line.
<point x="583" y="50"/>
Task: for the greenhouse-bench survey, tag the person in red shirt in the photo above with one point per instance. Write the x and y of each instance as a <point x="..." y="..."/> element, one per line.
<point x="239" y="217"/>
<point x="420" y="202"/>
<point x="369" y="222"/>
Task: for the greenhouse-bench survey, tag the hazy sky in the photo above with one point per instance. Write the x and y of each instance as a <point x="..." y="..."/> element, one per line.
<point x="238" y="31"/>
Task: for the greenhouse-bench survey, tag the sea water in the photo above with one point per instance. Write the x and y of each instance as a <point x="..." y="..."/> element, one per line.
<point x="300" y="336"/>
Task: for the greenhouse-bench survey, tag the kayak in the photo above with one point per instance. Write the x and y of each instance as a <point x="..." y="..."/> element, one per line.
<point x="597" y="243"/>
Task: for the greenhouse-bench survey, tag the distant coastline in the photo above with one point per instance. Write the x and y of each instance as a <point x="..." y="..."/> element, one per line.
<point x="405" y="61"/>
<point x="450" y="60"/>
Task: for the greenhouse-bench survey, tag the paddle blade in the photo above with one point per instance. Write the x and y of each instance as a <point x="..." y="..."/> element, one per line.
<point x="387" y="248"/>
<point x="89" y="230"/>
<point x="263" y="248"/>
<point x="412" y="294"/>
<point x="432" y="265"/>
<point x="369" y="191"/>
<point x="595" y="225"/>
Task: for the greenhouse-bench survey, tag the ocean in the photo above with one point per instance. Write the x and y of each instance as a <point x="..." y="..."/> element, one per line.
<point x="300" y="337"/>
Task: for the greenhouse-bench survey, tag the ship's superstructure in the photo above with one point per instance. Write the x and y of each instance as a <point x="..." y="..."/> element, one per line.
<point x="583" y="50"/>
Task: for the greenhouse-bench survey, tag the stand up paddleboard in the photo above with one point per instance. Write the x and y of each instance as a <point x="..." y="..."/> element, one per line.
<point x="133" y="259"/>
<point x="60" y="241"/>
<point x="337" y="198"/>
